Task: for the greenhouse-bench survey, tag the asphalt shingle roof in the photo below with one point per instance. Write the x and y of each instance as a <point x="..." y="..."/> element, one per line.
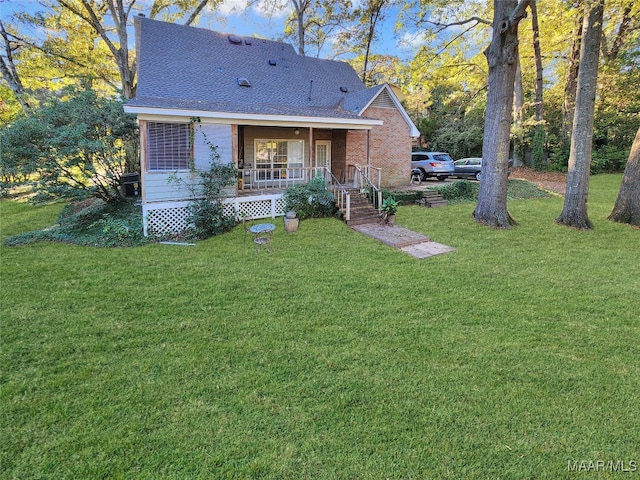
<point x="196" y="69"/>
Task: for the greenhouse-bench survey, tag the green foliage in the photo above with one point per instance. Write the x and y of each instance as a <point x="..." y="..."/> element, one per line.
<point x="538" y="147"/>
<point x="460" y="141"/>
<point x="460" y="191"/>
<point x="91" y="222"/>
<point x="389" y="206"/>
<point x="325" y="360"/>
<point x="205" y="215"/>
<point x="609" y="158"/>
<point x="73" y="146"/>
<point x="310" y="200"/>
<point x="408" y="197"/>
<point x="20" y="144"/>
<point x="206" y="218"/>
<point x="463" y="191"/>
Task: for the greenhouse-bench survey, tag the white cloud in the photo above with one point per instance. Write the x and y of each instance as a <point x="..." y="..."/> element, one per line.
<point x="412" y="40"/>
<point x="260" y="8"/>
<point x="231" y="7"/>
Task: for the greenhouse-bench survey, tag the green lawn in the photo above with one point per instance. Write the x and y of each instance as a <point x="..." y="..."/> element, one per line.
<point x="334" y="357"/>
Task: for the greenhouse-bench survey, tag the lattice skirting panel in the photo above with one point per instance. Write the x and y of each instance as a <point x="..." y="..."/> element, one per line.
<point x="170" y="217"/>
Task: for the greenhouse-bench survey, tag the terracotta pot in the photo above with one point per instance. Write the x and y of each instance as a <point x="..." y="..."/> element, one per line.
<point x="291" y="224"/>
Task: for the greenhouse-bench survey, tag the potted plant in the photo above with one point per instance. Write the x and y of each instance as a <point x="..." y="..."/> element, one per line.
<point x="389" y="209"/>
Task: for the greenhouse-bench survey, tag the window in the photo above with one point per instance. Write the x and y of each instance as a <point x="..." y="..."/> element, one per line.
<point x="279" y="159"/>
<point x="168" y="146"/>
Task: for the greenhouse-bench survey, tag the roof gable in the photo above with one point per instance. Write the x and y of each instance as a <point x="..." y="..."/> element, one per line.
<point x="378" y="96"/>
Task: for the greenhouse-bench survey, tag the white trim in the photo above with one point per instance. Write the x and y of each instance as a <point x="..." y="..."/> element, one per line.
<point x="171" y="115"/>
<point x="415" y="133"/>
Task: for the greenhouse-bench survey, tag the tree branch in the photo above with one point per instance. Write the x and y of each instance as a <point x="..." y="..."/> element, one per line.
<point x="443" y="26"/>
<point x="519" y="12"/>
<point x="196" y="12"/>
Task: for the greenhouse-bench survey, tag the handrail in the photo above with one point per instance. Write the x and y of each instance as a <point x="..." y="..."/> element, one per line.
<point x="362" y="180"/>
<point x="341" y="195"/>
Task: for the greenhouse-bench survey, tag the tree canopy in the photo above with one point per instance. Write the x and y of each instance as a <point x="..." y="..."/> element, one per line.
<point x="444" y="79"/>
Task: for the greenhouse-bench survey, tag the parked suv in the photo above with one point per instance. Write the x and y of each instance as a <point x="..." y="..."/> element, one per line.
<point x="433" y="164"/>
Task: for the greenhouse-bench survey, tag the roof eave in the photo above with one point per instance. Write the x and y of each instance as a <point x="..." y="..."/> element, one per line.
<point x="153" y="113"/>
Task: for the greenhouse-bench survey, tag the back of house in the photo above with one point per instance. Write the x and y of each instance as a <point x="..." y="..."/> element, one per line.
<point x="279" y="117"/>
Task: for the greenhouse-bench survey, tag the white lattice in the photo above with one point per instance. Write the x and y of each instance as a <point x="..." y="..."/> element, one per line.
<point x="229" y="209"/>
<point x="167" y="218"/>
<point x="162" y="221"/>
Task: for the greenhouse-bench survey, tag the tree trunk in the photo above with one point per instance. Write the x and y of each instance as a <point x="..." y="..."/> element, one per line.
<point x="627" y="207"/>
<point x="538" y="59"/>
<point x="569" y="103"/>
<point x="538" y="151"/>
<point x="299" y="9"/>
<point x="574" y="213"/>
<point x="501" y="55"/>
<point x="9" y="71"/>
<point x="518" y="115"/>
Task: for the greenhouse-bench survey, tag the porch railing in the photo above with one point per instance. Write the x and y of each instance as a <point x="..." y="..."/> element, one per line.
<point x="341" y="195"/>
<point x="367" y="179"/>
<point x="251" y="179"/>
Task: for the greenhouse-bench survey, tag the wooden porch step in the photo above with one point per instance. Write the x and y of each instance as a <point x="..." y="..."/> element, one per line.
<point x="432" y="199"/>
<point x="362" y="211"/>
<point x="361" y="220"/>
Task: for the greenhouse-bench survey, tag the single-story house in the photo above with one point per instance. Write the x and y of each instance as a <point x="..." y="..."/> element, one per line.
<point x="278" y="116"/>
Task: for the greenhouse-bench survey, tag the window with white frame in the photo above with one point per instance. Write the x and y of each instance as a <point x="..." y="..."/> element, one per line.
<point x="168" y="146"/>
<point x="279" y="159"/>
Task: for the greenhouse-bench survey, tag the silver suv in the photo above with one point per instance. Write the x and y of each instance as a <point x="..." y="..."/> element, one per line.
<point x="433" y="164"/>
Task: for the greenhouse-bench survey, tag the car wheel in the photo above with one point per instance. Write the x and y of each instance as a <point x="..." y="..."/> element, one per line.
<point x="441" y="178"/>
<point x="478" y="175"/>
<point x="423" y="175"/>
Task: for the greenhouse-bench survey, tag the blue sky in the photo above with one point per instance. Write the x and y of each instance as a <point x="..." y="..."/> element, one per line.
<point x="231" y="17"/>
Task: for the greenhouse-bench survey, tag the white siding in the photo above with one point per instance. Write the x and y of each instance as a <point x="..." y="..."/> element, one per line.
<point x="158" y="188"/>
<point x="217" y="135"/>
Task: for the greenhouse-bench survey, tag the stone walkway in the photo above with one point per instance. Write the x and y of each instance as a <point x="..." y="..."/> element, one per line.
<point x="410" y="242"/>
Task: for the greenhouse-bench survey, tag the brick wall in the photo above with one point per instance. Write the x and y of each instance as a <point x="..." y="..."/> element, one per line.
<point x="389" y="146"/>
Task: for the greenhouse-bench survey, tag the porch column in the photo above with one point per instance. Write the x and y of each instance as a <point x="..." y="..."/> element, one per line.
<point x="312" y="159"/>
<point x="234" y="145"/>
<point x="142" y="128"/>
<point x="368" y="148"/>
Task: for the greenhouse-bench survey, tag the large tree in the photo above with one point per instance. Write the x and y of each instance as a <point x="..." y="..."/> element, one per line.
<point x="84" y="38"/>
<point x="502" y="55"/>
<point x="574" y="212"/>
<point x="8" y="66"/>
<point x="627" y="207"/>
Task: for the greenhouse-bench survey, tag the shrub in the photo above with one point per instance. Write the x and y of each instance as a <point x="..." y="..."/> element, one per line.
<point x="205" y="215"/>
<point x="310" y="200"/>
<point x="462" y="190"/>
<point x="608" y="158"/>
<point x="206" y="219"/>
<point x="91" y="222"/>
<point x="72" y="146"/>
<point x="406" y="197"/>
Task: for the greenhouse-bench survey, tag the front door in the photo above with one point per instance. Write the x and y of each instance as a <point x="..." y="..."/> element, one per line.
<point x="323" y="153"/>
